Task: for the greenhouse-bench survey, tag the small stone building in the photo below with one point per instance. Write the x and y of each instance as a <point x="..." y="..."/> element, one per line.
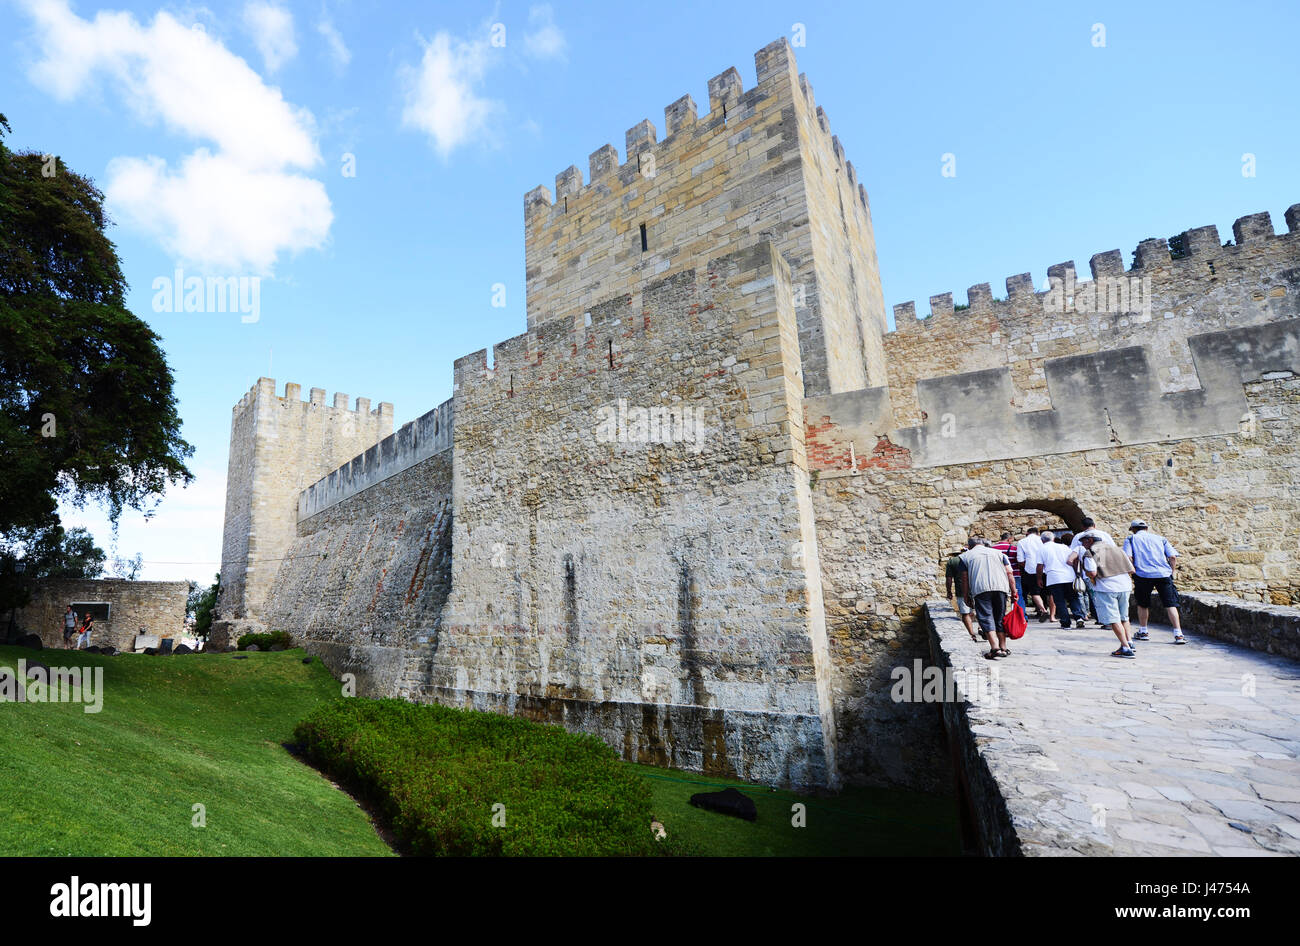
<point x="121" y="608"/>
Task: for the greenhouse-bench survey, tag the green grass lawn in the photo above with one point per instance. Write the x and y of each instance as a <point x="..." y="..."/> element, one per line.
<point x="173" y="732"/>
<point x="207" y="729"/>
<point x="857" y="821"/>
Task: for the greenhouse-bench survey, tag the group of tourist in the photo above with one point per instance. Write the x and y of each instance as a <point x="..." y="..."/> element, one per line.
<point x="1065" y="576"/>
<point x="80" y="631"/>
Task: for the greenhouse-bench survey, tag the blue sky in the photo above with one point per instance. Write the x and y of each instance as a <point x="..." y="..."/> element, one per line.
<point x="220" y="134"/>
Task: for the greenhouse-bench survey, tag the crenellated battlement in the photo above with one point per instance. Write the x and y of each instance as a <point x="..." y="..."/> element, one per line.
<point x="265" y="388"/>
<point x="604" y="334"/>
<point x="761" y="163"/>
<point x="1203" y="257"/>
<point x="971" y="417"/>
<point x="729" y="109"/>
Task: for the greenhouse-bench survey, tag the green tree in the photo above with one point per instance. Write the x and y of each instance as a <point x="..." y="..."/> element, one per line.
<point x="87" y="412"/>
<point x="204" y="603"/>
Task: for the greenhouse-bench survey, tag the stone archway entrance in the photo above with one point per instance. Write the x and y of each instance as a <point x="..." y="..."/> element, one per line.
<point x="1055" y="514"/>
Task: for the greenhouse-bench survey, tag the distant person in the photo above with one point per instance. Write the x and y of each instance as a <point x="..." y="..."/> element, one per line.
<point x="69" y="627"/>
<point x="1057" y="574"/>
<point x="986" y="585"/>
<point x="1027" y="553"/>
<point x="1154" y="561"/>
<point x="1110" y="572"/>
<point x="87" y="625"/>
<point x="1090" y="525"/>
<point x="1008" y="548"/>
<point x="952" y="579"/>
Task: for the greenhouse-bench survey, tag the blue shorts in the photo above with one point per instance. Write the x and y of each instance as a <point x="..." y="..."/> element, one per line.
<point x="1112" y="606"/>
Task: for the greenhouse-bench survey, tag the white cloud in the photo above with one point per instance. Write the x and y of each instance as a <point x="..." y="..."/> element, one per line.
<point x="338" y="49"/>
<point x="440" y="92"/>
<point x="216" y="210"/>
<point x="271" y="27"/>
<point x="239" y="204"/>
<point x="546" y="41"/>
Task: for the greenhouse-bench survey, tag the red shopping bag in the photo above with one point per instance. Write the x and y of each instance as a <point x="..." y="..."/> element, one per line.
<point x="1014" y="622"/>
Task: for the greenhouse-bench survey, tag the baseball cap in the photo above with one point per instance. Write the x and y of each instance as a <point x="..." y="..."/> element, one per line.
<point x="1138" y="524"/>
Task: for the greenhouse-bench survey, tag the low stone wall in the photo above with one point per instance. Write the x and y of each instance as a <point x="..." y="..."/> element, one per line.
<point x="1270" y="628"/>
<point x="156" y="606"/>
<point x="984" y="809"/>
<point x="764" y="748"/>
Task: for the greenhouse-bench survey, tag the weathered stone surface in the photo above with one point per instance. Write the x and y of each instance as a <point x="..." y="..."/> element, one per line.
<point x="158" y="606"/>
<point x="1068" y="751"/>
<point x="738" y="603"/>
<point x="1270" y="628"/>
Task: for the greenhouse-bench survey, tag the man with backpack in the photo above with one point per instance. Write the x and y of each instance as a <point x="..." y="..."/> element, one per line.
<point x="1110" y="572"/>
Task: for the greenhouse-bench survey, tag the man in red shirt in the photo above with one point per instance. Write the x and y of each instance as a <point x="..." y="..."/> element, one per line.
<point x="1008" y="548"/>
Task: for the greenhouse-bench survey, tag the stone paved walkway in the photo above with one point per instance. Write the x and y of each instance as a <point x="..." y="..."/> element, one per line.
<point x="1190" y="749"/>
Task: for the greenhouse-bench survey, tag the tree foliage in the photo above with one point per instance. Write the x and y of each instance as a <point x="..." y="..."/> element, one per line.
<point x="87" y="411"/>
<point x="202" y="603"/>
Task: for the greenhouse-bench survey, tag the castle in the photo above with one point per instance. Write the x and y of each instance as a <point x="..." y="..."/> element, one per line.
<point x="729" y="595"/>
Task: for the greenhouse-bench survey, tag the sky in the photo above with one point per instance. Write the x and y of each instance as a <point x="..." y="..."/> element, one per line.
<point x="365" y="162"/>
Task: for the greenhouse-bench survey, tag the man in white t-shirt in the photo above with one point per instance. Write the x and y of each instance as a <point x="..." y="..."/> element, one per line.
<point x="1057" y="574"/>
<point x="1027" y="555"/>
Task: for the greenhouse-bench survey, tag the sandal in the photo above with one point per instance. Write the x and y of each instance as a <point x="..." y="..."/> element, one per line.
<point x="991" y="655"/>
<point x="1004" y="652"/>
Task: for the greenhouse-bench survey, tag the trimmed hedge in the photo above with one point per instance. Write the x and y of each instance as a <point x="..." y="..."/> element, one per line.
<point x="436" y="773"/>
<point x="265" y="641"/>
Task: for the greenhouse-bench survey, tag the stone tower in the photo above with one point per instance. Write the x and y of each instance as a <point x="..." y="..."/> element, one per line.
<point x="761" y="166"/>
<point x="278" y="447"/>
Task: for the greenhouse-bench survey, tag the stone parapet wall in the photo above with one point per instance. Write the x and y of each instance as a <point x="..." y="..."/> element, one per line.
<point x="984" y="809"/>
<point x="1098" y="400"/>
<point x="1269" y="628"/>
<point x="156" y="606"/>
<point x="413" y="442"/>
<point x="1157" y="304"/>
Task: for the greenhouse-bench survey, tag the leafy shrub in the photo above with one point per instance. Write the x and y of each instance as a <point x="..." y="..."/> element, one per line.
<point x="436" y="773"/>
<point x="265" y="641"/>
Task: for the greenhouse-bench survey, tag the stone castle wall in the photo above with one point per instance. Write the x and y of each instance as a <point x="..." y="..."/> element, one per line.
<point x="156" y="606"/>
<point x="1230" y="504"/>
<point x="654" y="590"/>
<point x="364" y="583"/>
<point x="278" y="447"/>
<point x="1208" y="289"/>
<point x="733" y="600"/>
<point x="760" y="166"/>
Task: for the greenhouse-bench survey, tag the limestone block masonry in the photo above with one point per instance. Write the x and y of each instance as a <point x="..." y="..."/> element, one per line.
<point x="156" y="606"/>
<point x="695" y="508"/>
<point x="278" y="447"/>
